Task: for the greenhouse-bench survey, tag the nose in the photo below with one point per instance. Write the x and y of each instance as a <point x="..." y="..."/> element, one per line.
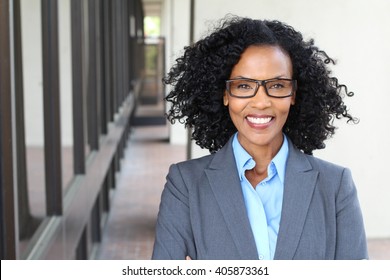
<point x="261" y="99"/>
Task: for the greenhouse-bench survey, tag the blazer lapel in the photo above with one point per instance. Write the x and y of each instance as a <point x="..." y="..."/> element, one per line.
<point x="299" y="186"/>
<point x="225" y="184"/>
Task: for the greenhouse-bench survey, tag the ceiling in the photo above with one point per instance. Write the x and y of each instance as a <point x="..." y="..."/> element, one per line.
<point x="152" y="7"/>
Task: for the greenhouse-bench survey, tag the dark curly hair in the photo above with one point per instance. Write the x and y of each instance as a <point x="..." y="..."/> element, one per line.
<point x="199" y="75"/>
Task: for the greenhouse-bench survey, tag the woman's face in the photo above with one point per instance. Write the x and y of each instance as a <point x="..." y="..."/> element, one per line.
<point x="260" y="119"/>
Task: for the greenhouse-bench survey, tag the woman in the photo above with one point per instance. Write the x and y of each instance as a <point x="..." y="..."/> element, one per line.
<point x="261" y="99"/>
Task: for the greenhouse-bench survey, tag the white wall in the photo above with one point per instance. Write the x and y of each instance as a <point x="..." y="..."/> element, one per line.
<point x="356" y="34"/>
<point x="176" y="28"/>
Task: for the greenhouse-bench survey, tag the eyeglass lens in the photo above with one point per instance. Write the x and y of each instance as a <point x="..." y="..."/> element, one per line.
<point x="248" y="88"/>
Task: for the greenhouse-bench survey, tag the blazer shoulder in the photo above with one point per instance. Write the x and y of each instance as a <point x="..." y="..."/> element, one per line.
<point x="191" y="168"/>
<point x="300" y="161"/>
<point x="331" y="177"/>
<point x="194" y="169"/>
<point x="325" y="166"/>
<point x="196" y="163"/>
<point x="329" y="174"/>
<point x="221" y="159"/>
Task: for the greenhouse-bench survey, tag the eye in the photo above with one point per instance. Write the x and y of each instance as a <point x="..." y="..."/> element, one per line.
<point x="243" y="85"/>
<point x="278" y="84"/>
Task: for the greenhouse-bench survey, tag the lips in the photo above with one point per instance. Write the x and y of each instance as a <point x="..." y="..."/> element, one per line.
<point x="259" y="120"/>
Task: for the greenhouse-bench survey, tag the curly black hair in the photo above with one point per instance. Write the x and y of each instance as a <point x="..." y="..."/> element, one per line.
<point x="198" y="79"/>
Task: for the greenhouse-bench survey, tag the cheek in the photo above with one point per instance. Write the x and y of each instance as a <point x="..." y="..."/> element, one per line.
<point x="236" y="107"/>
<point x="284" y="109"/>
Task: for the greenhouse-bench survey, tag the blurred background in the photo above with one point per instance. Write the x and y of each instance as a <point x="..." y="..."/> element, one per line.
<point x="85" y="146"/>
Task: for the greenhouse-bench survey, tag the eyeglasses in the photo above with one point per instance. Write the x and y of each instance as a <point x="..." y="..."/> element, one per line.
<point x="247" y="88"/>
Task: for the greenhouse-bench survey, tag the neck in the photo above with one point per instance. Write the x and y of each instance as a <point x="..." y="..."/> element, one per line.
<point x="263" y="154"/>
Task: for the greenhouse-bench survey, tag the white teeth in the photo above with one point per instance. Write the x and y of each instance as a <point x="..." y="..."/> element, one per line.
<point x="259" y="120"/>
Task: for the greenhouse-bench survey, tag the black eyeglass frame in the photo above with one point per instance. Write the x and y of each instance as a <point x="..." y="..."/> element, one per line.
<point x="261" y="83"/>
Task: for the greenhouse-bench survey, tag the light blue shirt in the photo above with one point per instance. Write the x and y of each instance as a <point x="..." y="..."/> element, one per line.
<point x="263" y="203"/>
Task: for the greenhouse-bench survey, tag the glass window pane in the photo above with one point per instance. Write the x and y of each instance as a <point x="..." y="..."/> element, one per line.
<point x="66" y="92"/>
<point x="32" y="195"/>
<point x="85" y="42"/>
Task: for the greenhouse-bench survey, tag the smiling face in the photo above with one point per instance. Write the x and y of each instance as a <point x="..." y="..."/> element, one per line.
<point x="260" y="119"/>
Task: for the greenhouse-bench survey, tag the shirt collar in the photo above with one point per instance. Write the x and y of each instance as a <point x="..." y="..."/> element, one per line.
<point x="244" y="161"/>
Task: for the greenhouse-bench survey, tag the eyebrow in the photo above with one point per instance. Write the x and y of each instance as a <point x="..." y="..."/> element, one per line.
<point x="277" y="77"/>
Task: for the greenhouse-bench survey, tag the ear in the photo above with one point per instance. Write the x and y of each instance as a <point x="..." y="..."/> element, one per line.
<point x="225" y="99"/>
<point x="293" y="99"/>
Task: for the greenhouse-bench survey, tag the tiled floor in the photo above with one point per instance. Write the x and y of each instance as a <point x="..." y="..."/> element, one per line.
<point x="130" y="228"/>
<point x="379" y="249"/>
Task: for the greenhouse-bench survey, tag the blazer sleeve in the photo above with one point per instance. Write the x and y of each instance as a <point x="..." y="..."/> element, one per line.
<point x="351" y="239"/>
<point x="174" y="237"/>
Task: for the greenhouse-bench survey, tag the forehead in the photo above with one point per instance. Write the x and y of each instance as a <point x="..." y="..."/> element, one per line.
<point x="263" y="62"/>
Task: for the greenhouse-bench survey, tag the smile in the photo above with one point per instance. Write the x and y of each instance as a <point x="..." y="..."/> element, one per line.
<point x="255" y="120"/>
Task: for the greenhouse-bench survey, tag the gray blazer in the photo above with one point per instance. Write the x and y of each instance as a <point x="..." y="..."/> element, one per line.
<point x="202" y="212"/>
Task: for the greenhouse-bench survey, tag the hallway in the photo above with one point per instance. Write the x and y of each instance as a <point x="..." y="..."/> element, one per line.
<point x="129" y="233"/>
